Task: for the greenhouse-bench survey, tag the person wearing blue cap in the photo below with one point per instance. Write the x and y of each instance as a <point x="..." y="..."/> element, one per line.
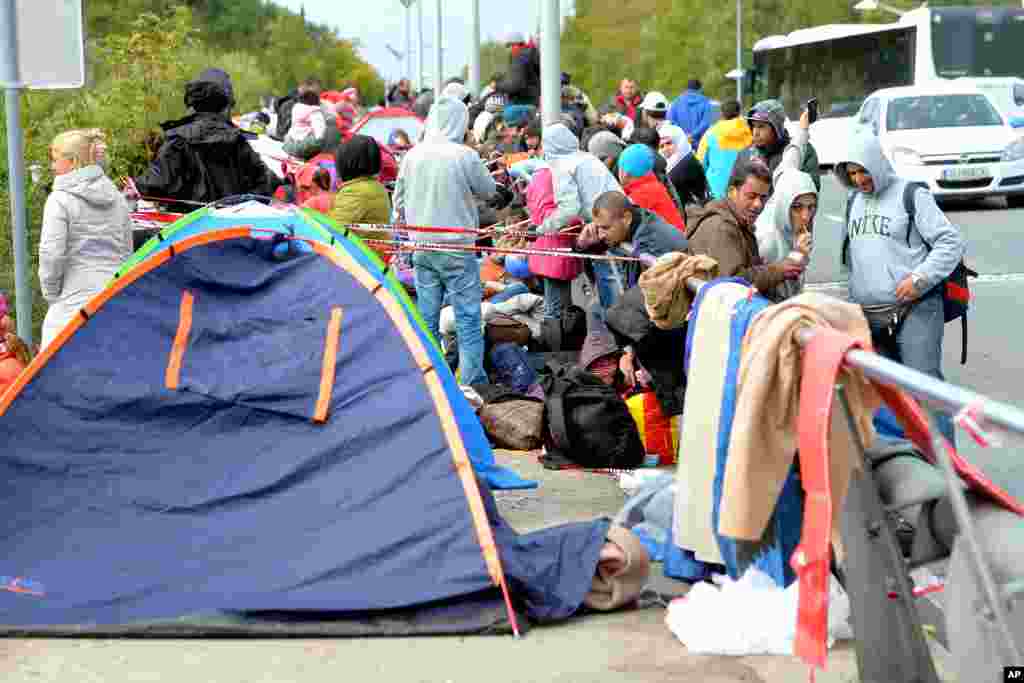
<point x="636" y="175"/>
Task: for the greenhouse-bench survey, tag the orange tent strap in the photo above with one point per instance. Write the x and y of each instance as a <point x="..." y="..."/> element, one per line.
<point x="173" y="375"/>
<point x="331" y="345"/>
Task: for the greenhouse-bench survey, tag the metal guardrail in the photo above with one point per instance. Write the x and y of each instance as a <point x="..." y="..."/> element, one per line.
<point x="936" y="392"/>
<point x="954" y="399"/>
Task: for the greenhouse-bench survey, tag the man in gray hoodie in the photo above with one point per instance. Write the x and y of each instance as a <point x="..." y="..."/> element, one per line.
<point x="896" y="264"/>
<point x="438" y="184"/>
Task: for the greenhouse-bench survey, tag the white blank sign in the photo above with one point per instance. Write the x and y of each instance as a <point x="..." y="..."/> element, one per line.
<point x="51" y="52"/>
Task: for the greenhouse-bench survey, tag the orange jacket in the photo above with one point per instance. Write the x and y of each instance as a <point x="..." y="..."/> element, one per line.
<point x="647" y="192"/>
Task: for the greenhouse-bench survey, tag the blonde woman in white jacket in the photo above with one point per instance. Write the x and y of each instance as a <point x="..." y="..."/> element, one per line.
<point x="86" y="232"/>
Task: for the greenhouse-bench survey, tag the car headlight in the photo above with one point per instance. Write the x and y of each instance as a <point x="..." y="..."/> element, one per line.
<point x="1014" y="151"/>
<point x="904" y="156"/>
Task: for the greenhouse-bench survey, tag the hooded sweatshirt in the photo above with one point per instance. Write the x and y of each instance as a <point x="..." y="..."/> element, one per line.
<point x="691" y="111"/>
<point x="882" y="253"/>
<point x="579" y="178"/>
<point x="718" y="151"/>
<point x="788" y="152"/>
<point x="86" y="235"/>
<point x="440" y="179"/>
<point x="775" y="235"/>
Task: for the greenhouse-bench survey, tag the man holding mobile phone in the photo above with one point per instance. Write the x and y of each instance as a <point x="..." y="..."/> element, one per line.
<point x="773" y="145"/>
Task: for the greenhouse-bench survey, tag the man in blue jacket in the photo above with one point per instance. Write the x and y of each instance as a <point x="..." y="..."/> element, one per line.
<point x="692" y="112"/>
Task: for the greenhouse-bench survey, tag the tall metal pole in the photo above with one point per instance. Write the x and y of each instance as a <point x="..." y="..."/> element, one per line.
<point x="739" y="51"/>
<point x="10" y="76"/>
<point x="408" y="42"/>
<point x="421" y="63"/>
<point x="550" y="63"/>
<point x="474" y="49"/>
<point x="439" y="59"/>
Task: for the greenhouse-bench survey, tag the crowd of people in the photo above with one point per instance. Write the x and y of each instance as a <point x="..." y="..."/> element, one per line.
<point x="641" y="176"/>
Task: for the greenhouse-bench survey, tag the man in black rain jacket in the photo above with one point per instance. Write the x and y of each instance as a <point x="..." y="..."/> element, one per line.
<point x="205" y="157"/>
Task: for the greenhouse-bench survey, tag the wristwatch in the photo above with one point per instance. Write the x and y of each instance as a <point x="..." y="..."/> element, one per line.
<point x="918" y="281"/>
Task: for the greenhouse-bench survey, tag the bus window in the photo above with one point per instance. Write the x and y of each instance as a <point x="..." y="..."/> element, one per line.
<point x="840" y="72"/>
<point x="977" y="42"/>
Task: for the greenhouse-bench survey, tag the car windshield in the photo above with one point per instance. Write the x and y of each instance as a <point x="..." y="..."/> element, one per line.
<point x="941" y="111"/>
<point x="381" y="127"/>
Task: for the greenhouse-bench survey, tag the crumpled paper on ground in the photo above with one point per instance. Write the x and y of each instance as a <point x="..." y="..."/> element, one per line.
<point x="751" y="616"/>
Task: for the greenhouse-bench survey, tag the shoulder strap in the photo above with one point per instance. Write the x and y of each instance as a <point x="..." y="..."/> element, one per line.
<point x="845" y="251"/>
<point x="909" y="190"/>
<point x="556" y="421"/>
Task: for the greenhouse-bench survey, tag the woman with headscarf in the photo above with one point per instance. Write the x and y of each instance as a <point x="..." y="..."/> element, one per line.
<point x="684" y="170"/>
<point x="362" y="199"/>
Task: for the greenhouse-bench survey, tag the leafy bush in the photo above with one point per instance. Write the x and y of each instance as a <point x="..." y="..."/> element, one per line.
<point x="137" y="73"/>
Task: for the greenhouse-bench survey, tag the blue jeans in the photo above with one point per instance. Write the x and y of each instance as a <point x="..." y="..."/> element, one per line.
<point x="918" y="345"/>
<point x="557" y="297"/>
<point x="458" y="275"/>
<point x="608" y="283"/>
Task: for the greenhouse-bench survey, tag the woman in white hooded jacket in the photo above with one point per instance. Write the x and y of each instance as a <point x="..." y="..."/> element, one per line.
<point x="86" y="231"/>
<point x="785" y="227"/>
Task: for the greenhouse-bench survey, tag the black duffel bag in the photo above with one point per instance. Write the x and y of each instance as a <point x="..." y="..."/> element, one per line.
<point x="587" y="424"/>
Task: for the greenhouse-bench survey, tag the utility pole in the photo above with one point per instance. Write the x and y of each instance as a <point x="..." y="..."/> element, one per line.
<point x="474" y="49"/>
<point x="550" y="62"/>
<point x="438" y="51"/>
<point x="739" y="51"/>
<point x="408" y="38"/>
<point x="421" y="64"/>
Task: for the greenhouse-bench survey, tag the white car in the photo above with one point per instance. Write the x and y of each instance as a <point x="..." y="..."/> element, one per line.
<point x="949" y="136"/>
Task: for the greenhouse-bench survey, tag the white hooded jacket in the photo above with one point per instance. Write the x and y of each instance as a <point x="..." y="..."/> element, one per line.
<point x="579" y="178"/>
<point x="86" y="235"/>
<point x="776" y="237"/>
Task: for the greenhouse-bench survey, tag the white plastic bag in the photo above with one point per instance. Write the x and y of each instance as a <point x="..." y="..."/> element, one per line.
<point x="751" y="616"/>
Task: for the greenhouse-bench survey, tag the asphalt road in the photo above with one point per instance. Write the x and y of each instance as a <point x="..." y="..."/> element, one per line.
<point x="624" y="647"/>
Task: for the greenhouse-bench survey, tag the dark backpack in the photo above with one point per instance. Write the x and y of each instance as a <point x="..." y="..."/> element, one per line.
<point x="284" y="116"/>
<point x="956" y="291"/>
<point x="587" y="423"/>
<point x="566" y="333"/>
<point x="511" y="367"/>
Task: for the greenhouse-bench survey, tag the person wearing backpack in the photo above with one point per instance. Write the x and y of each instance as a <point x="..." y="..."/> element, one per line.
<point x="900" y="249"/>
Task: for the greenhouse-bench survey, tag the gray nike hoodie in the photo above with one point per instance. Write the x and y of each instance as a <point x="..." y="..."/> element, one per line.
<point x="881" y="253"/>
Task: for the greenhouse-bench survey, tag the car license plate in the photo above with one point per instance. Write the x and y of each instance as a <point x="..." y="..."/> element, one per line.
<point x="966" y="173"/>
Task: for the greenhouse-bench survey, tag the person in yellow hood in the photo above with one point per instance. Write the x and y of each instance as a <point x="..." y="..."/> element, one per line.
<point x="721" y="145"/>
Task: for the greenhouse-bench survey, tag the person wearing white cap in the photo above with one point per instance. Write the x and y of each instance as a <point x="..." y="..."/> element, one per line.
<point x="654" y="109"/>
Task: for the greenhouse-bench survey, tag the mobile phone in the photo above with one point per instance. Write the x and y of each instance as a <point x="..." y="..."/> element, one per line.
<point x="812" y="110"/>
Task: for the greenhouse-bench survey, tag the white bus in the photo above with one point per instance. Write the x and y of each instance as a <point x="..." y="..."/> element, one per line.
<point x="842" y="64"/>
